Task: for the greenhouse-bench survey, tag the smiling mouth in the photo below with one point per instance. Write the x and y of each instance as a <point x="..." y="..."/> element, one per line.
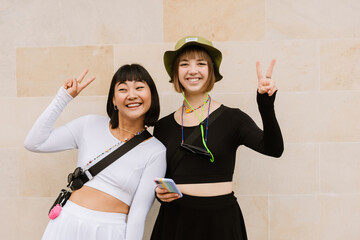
<point x="193" y="79"/>
<point x="133" y="105"/>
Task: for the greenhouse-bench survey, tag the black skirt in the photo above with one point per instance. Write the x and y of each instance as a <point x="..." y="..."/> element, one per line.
<point x="197" y="218"/>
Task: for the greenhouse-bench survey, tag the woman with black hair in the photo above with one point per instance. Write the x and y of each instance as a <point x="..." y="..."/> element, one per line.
<point x="114" y="204"/>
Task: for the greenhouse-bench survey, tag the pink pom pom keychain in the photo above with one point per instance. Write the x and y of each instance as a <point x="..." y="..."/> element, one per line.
<point x="60" y="201"/>
<point x="55" y="211"/>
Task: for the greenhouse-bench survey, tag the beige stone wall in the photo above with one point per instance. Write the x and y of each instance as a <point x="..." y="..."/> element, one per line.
<point x="311" y="192"/>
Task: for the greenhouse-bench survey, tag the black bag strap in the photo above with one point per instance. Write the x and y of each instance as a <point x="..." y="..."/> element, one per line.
<point x="115" y="155"/>
<point x="196" y="133"/>
<point x="179" y="154"/>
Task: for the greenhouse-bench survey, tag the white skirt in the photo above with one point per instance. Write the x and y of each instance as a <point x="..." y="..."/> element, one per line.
<point x="79" y="223"/>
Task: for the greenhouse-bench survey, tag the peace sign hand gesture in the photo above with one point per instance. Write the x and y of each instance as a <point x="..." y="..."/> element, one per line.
<point x="266" y="85"/>
<point x="75" y="85"/>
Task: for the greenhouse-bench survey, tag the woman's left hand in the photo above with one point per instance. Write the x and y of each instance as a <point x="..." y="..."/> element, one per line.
<point x="266" y="85"/>
<point x="166" y="196"/>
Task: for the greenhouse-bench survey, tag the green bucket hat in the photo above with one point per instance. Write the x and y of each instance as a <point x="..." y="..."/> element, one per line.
<point x="215" y="54"/>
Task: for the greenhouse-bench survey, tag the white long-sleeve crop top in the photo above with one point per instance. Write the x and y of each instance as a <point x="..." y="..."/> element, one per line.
<point x="129" y="179"/>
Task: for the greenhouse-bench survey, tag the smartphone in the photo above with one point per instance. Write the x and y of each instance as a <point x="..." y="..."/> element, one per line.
<point x="169" y="184"/>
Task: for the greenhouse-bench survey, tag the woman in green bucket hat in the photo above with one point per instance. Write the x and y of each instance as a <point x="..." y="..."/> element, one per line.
<point x="202" y="137"/>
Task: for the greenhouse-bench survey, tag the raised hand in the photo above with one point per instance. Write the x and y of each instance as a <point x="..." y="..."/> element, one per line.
<point x="75" y="85"/>
<point x="267" y="84"/>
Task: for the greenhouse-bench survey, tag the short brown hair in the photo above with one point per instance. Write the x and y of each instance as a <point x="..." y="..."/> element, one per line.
<point x="191" y="52"/>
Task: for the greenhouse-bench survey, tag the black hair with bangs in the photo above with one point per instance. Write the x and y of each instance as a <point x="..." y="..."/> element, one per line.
<point x="133" y="72"/>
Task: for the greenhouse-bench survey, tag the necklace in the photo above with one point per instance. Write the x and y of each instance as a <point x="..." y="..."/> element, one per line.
<point x="190" y="110"/>
<point x="132" y="133"/>
<point x="126" y="130"/>
<point x="203" y="138"/>
<point x="109" y="149"/>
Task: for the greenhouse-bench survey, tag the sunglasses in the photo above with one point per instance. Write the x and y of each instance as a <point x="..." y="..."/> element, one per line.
<point x="77" y="172"/>
<point x="195" y="150"/>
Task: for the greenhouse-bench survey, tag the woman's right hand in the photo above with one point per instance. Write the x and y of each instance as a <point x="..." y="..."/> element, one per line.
<point x="75" y="85"/>
<point x="166" y="196"/>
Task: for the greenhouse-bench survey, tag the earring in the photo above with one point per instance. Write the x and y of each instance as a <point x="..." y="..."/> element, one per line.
<point x="115" y="108"/>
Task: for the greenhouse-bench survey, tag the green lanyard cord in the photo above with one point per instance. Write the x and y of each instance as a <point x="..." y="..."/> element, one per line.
<point x="201" y="126"/>
<point x="202" y="138"/>
<point x="202" y="113"/>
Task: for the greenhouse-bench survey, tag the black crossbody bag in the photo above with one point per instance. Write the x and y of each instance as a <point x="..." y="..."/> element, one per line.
<point x="79" y="177"/>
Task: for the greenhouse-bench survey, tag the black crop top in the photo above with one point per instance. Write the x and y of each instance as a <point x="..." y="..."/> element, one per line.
<point x="230" y="130"/>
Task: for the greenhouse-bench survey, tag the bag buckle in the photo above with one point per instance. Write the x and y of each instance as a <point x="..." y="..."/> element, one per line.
<point x="88" y="174"/>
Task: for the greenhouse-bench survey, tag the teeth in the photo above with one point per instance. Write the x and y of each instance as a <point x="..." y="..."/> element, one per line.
<point x="134" y="105"/>
<point x="193" y="79"/>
